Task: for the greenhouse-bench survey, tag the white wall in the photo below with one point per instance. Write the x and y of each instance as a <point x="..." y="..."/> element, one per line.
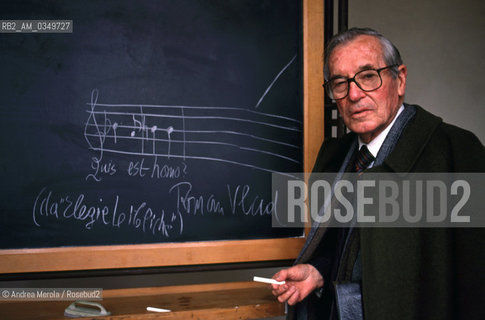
<point x="443" y="44"/>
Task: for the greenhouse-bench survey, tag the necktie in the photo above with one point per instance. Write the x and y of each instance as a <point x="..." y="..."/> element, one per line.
<point x="352" y="244"/>
<point x="364" y="159"/>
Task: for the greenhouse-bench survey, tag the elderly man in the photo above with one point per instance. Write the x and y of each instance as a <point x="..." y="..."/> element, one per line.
<point x="402" y="273"/>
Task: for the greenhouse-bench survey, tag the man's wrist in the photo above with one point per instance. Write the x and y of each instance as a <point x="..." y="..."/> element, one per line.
<point x="317" y="276"/>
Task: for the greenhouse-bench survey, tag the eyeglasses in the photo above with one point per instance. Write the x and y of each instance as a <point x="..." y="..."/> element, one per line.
<point x="367" y="80"/>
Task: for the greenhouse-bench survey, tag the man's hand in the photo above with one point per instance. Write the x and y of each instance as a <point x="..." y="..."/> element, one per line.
<point x="300" y="280"/>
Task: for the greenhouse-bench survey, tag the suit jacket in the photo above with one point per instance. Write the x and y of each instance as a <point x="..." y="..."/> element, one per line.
<point x="409" y="273"/>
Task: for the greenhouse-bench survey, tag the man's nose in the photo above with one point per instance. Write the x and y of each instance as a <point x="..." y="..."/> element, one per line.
<point x="355" y="93"/>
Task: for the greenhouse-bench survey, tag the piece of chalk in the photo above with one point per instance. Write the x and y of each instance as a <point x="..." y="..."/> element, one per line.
<point x="158" y="309"/>
<point x="268" y="280"/>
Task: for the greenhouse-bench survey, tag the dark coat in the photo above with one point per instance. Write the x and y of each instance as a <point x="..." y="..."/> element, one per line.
<point x="412" y="273"/>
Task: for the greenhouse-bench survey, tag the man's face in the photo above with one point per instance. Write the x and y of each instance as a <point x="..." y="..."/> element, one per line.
<point x="367" y="113"/>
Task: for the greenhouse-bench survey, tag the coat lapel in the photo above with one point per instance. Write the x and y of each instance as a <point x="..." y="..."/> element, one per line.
<point x="412" y="142"/>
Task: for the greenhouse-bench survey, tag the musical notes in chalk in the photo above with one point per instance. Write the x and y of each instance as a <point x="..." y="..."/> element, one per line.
<point x="238" y="136"/>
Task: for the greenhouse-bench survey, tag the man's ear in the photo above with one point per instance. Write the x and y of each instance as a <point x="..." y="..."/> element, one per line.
<point x="401" y="80"/>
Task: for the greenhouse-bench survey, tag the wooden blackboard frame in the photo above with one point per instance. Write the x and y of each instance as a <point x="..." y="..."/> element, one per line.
<point x="205" y="252"/>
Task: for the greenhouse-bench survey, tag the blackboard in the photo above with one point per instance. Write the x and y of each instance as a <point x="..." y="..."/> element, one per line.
<point x="153" y="121"/>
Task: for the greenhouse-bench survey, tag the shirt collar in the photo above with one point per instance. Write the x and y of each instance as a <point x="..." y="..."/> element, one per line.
<point x="377" y="142"/>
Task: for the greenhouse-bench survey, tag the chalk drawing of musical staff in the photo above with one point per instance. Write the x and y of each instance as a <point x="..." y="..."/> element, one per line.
<point x="103" y="134"/>
<point x="240" y="136"/>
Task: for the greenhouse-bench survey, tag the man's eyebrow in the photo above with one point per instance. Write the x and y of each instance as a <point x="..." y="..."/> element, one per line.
<point x="361" y="68"/>
<point x="337" y="76"/>
<point x="367" y="67"/>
